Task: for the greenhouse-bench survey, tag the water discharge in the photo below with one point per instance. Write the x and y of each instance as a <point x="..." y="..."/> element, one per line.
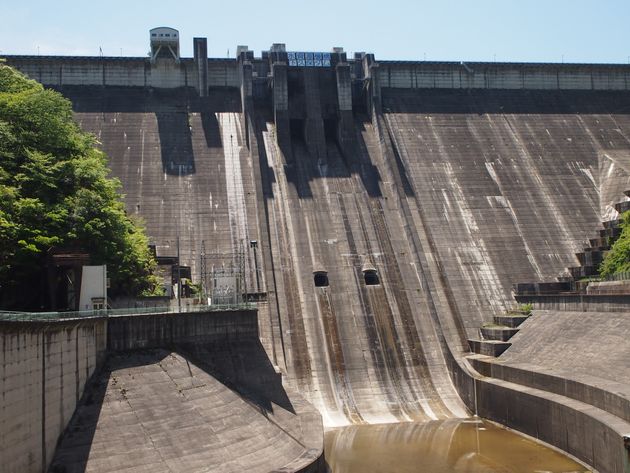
<point x="449" y="446"/>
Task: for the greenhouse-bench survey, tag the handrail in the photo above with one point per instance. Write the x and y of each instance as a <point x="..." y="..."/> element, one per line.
<point x="16" y="316"/>
<point x="621" y="276"/>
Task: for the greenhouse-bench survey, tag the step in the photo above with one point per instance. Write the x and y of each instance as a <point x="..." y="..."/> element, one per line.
<point x="601" y="243"/>
<point x="597" y="248"/>
<point x="579" y="272"/>
<point x="611" y="223"/>
<point x="622" y="207"/>
<point x="593" y="251"/>
<point x="610" y="232"/>
<point x="498" y="332"/>
<point x="542" y="287"/>
<point x="604" y="428"/>
<point x="511" y="320"/>
<point x="516" y="311"/>
<point x="590" y="257"/>
<point x="488" y="347"/>
<point x="256" y="297"/>
<point x="612" y="397"/>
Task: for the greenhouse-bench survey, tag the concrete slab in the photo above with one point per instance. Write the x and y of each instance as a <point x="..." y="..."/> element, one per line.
<point x="156" y="410"/>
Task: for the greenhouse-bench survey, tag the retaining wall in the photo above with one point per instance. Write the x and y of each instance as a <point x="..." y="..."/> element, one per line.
<point x="584" y="431"/>
<point x="615" y="398"/>
<point x="57" y="71"/>
<point x="578" y="302"/>
<point x="137" y="71"/>
<point x="44" y="368"/>
<point x="454" y="75"/>
<point x="561" y="382"/>
<point x="130" y="332"/>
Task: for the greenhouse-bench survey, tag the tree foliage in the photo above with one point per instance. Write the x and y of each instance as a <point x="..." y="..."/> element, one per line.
<point x="55" y="192"/>
<point x="617" y="260"/>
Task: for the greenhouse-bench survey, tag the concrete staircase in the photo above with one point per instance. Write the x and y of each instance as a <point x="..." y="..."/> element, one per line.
<point x="495" y="336"/>
<point x="589" y="259"/>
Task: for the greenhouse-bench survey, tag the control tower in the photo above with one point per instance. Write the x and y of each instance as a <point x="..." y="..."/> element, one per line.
<point x="164" y="43"/>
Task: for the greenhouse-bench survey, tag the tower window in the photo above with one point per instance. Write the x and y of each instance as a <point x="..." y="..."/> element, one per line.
<point x="320" y="278"/>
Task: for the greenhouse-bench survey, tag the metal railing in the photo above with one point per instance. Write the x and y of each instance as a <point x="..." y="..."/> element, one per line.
<point x="622" y="276"/>
<point x="85" y="314"/>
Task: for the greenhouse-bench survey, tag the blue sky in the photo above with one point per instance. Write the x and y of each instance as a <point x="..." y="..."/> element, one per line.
<point x="483" y="30"/>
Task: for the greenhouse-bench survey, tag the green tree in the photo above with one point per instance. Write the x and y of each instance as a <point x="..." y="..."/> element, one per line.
<point x="617" y="260"/>
<point x="55" y="192"/>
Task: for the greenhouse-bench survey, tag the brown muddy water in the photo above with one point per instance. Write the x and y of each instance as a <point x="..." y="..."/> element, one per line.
<point x="449" y="446"/>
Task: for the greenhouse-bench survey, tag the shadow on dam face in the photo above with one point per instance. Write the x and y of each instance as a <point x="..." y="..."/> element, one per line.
<point x="180" y="406"/>
<point x="120" y="99"/>
<point x="73" y="451"/>
<point x="246" y="370"/>
<point x="176" y="147"/>
<point x="340" y="163"/>
<point x="176" y="140"/>
<point x="211" y="130"/>
<point x="496" y="101"/>
<point x="172" y="109"/>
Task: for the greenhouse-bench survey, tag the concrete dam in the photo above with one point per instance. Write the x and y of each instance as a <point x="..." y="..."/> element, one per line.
<point x="394" y="206"/>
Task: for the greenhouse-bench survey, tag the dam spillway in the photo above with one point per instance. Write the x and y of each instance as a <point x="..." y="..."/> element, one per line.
<point x="447" y="184"/>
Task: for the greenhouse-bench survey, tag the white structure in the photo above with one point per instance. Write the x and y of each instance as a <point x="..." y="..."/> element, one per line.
<point x="225" y="289"/>
<point x="164" y="43"/>
<point x="93" y="288"/>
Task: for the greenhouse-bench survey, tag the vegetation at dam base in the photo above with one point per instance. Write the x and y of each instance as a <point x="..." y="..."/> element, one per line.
<point x="55" y="193"/>
<point x="617" y="260"/>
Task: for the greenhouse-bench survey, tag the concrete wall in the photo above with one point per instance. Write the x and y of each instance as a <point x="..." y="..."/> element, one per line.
<point x="165" y="330"/>
<point x="561" y="381"/>
<point x="579" y="303"/>
<point x="584" y="431"/>
<point x="581" y="430"/>
<point x="614" y="399"/>
<point x="44" y="368"/>
<point x="453" y="75"/>
<point x="130" y="71"/>
<point x="158" y="410"/>
<point x="57" y="71"/>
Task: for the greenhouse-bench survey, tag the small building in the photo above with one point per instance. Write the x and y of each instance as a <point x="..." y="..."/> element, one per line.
<point x="93" y="295"/>
<point x="164" y="43"/>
